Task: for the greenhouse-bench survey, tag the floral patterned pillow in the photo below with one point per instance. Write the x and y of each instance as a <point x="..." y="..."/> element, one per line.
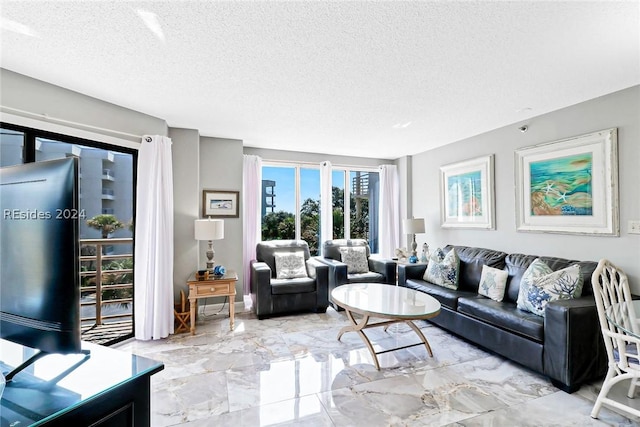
<point x="355" y="258"/>
<point x="561" y="284"/>
<point x="290" y="265"/>
<point x="493" y="282"/>
<point x="443" y="270"/>
<point x="536" y="269"/>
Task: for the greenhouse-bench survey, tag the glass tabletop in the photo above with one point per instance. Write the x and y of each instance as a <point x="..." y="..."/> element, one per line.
<point x="57" y="384"/>
<point x="623" y="315"/>
<point x="384" y="300"/>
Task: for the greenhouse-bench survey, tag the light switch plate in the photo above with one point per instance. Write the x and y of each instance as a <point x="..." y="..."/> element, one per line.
<point x="634" y="226"/>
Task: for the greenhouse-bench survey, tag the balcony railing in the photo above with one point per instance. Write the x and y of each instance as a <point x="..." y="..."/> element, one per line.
<point x="108" y="193"/>
<point x="108" y="174"/>
<point x="106" y="282"/>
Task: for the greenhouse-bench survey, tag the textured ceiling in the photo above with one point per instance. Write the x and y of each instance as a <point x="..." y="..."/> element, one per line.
<point x="372" y="79"/>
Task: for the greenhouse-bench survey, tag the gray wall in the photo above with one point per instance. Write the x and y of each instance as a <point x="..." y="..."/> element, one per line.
<point x="221" y="169"/>
<point x="35" y="96"/>
<point x="620" y="109"/>
<point x="185" y="152"/>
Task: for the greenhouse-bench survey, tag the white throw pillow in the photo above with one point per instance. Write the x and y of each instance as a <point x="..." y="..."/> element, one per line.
<point x="493" y="282"/>
<point x="561" y="284"/>
<point x="356" y="259"/>
<point x="536" y="269"/>
<point x="443" y="270"/>
<point x="290" y="265"/>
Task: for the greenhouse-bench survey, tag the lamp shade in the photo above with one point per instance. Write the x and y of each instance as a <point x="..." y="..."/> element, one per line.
<point x="413" y="225"/>
<point x="209" y="229"/>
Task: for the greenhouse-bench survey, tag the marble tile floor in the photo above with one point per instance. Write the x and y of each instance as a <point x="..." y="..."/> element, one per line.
<point x="292" y="371"/>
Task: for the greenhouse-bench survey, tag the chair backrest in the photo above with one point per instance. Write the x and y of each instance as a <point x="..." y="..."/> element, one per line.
<point x="331" y="248"/>
<point x="615" y="312"/>
<point x="265" y="251"/>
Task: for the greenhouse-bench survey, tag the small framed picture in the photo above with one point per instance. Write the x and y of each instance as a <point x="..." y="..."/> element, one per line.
<point x="466" y="194"/>
<point x="220" y="204"/>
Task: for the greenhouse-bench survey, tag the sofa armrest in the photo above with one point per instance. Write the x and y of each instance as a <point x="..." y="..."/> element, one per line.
<point x="337" y="272"/>
<point x="410" y="271"/>
<point x="260" y="286"/>
<point x="386" y="267"/>
<point x="321" y="274"/>
<point x="574" y="351"/>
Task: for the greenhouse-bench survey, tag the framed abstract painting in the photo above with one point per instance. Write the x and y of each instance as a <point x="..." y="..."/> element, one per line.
<point x="467" y="194"/>
<point x="569" y="186"/>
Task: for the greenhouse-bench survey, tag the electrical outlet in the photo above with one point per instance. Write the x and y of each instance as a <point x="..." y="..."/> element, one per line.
<point x="634" y="227"/>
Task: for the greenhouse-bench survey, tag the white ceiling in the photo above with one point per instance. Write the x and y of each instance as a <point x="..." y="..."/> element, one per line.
<point x="371" y="79"/>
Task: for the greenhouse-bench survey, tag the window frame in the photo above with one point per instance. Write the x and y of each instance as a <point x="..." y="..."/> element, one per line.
<point x="346" y="169"/>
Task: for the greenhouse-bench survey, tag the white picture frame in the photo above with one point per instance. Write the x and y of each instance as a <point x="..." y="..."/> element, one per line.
<point x="569" y="186"/>
<point x="467" y="194"/>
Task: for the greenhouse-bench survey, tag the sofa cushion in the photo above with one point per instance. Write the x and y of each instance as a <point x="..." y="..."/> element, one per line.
<point x="517" y="264"/>
<point x="561" y="284"/>
<point x="493" y="283"/>
<point x="503" y="315"/>
<point x="443" y="269"/>
<point x="446" y="297"/>
<point x="538" y="268"/>
<point x="292" y="286"/>
<point x="355" y="258"/>
<point x="290" y="265"/>
<point x="472" y="260"/>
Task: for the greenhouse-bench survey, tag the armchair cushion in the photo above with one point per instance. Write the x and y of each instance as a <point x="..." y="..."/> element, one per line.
<point x="368" y="277"/>
<point x="292" y="286"/>
<point x="290" y="265"/>
<point x="356" y="259"/>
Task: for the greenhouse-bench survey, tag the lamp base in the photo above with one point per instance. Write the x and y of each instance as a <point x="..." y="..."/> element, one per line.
<point x="210" y="254"/>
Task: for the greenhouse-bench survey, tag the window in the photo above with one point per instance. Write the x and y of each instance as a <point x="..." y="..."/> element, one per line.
<point x="278" y="213"/>
<point x="291" y="204"/>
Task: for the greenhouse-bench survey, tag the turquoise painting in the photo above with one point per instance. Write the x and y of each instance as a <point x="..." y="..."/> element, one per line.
<point x="562" y="186"/>
<point x="465" y="194"/>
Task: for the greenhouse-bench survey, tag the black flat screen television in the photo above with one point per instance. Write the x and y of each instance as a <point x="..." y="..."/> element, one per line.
<point x="39" y="281"/>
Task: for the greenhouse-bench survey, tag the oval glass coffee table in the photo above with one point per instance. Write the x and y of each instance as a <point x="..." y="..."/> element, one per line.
<point x="377" y="300"/>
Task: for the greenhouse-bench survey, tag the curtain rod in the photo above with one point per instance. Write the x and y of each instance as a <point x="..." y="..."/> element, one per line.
<point x="317" y="164"/>
<point x="56" y="120"/>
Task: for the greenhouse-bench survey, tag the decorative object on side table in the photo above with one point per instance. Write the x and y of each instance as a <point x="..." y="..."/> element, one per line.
<point x="413" y="226"/>
<point x="209" y="229"/>
<point x="219" y="271"/>
<point x="425" y="253"/>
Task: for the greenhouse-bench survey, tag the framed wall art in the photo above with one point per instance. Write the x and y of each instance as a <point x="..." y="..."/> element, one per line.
<point x="467" y="194"/>
<point x="569" y="186"/>
<point x="220" y="204"/>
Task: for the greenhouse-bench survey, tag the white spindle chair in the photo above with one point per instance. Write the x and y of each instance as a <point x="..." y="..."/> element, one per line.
<point x="620" y="332"/>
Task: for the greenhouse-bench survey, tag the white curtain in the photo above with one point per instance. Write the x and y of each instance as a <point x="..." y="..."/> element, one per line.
<point x="326" y="204"/>
<point x="389" y="226"/>
<point x="154" y="240"/>
<point x="251" y="210"/>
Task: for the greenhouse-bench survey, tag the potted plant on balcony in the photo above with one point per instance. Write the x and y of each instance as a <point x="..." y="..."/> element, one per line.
<point x="106" y="223"/>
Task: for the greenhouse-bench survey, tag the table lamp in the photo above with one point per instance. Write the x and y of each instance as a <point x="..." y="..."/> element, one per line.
<point x="413" y="226"/>
<point x="209" y="229"/>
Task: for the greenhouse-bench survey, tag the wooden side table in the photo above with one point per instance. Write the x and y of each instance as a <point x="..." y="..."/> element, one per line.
<point x="213" y="287"/>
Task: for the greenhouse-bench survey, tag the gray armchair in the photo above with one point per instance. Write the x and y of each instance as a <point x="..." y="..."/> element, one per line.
<point x="272" y="296"/>
<point x="379" y="270"/>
